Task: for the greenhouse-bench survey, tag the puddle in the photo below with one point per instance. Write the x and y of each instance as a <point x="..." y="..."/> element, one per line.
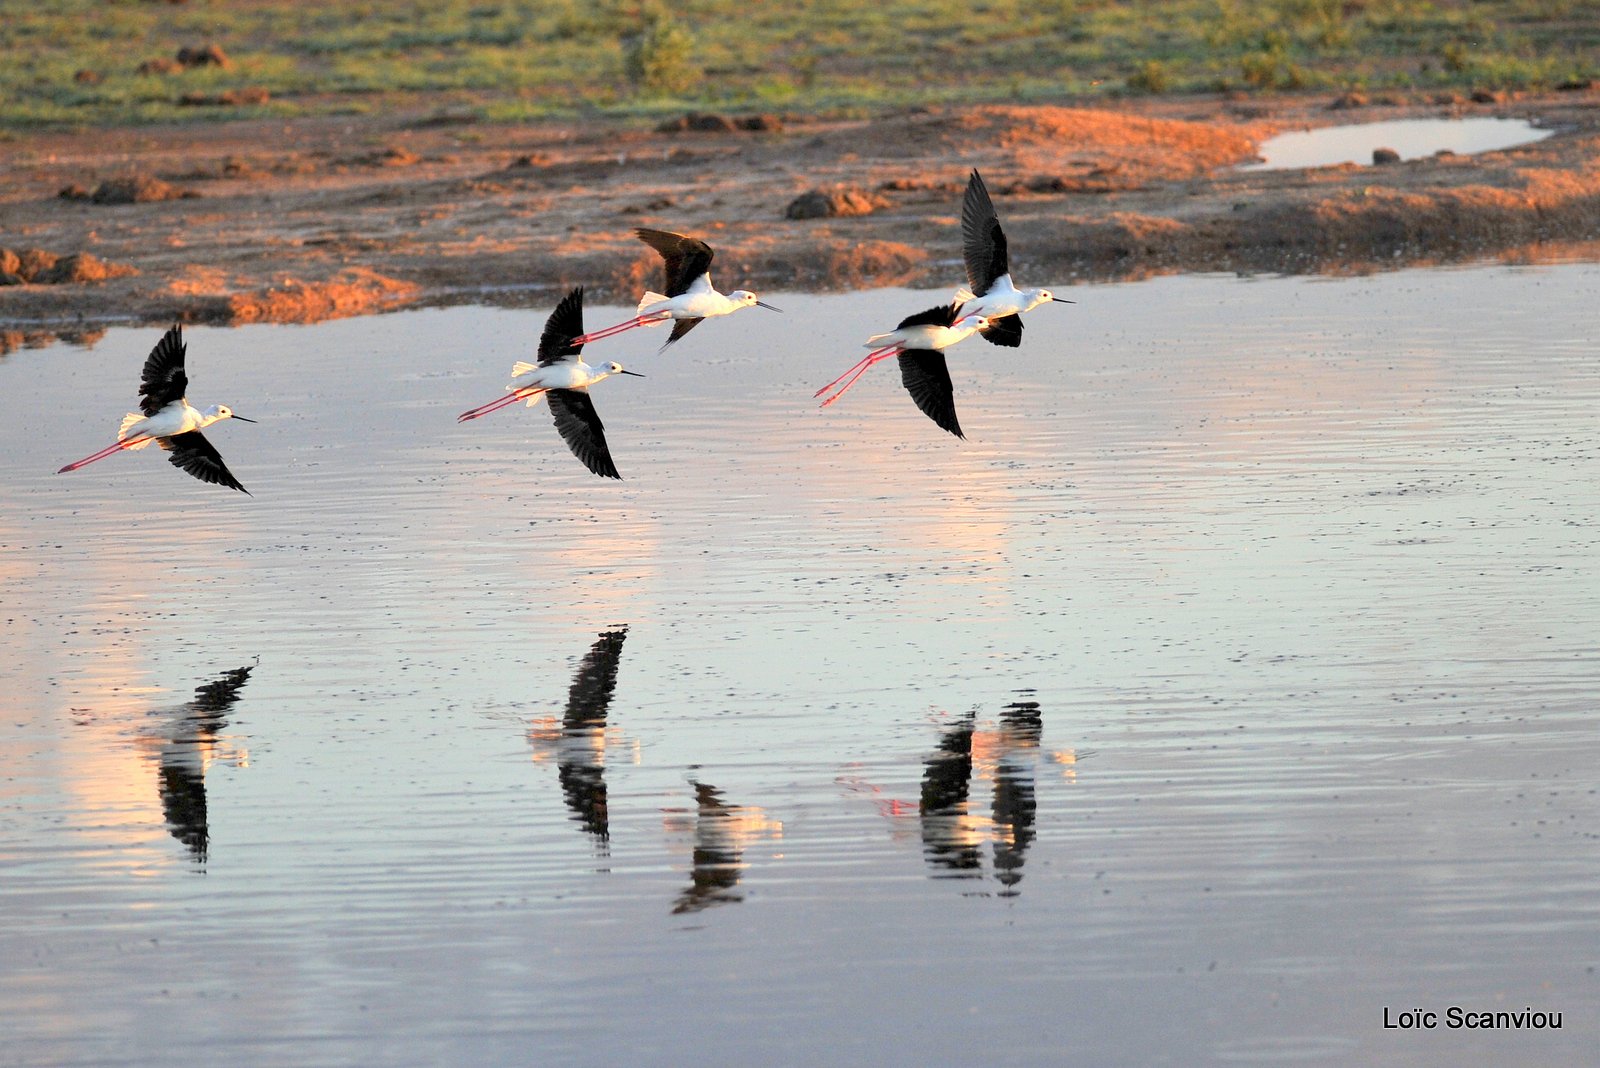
<point x="1233" y="682"/>
<point x="1411" y="138"/>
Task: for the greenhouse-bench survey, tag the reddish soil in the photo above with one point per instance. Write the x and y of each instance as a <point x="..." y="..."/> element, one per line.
<point x="327" y="217"/>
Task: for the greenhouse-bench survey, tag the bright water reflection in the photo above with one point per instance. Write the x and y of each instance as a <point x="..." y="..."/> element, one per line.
<point x="1411" y="138"/>
<point x="1234" y="681"/>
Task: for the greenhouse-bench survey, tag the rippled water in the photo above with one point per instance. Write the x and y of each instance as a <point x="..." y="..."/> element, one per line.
<point x="1411" y="138"/>
<point x="1234" y="683"/>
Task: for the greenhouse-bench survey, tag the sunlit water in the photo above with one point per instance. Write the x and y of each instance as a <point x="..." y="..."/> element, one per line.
<point x="1234" y="683"/>
<point x="1410" y="138"/>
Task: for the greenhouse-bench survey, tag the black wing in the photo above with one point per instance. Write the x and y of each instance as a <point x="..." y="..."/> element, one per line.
<point x="687" y="258"/>
<point x="219" y="696"/>
<point x="164" y="379"/>
<point x="983" y="243"/>
<point x="939" y="315"/>
<point x="926" y="377"/>
<point x="681" y="327"/>
<point x="1005" y="331"/>
<point x="595" y="681"/>
<point x="564" y="324"/>
<point x="192" y="452"/>
<point x="581" y="428"/>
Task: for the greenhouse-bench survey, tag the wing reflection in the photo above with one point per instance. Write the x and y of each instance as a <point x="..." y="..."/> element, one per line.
<point x="953" y="835"/>
<point x="579" y="745"/>
<point x="722" y="832"/>
<point x="188" y="745"/>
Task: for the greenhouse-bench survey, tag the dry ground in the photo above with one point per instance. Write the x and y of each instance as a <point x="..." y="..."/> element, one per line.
<point x="326" y="217"/>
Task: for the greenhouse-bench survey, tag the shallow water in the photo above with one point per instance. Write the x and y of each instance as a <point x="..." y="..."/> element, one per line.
<point x="1232" y="684"/>
<point x="1411" y="138"/>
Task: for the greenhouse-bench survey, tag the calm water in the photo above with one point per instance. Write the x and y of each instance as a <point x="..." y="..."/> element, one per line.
<point x="1234" y="682"/>
<point x="1411" y="138"/>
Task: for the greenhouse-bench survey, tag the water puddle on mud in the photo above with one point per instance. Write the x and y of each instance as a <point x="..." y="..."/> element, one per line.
<point x="1233" y="682"/>
<point x="1411" y="138"/>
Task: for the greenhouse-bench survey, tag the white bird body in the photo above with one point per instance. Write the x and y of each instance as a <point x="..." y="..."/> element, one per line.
<point x="1001" y="299"/>
<point x="573" y="374"/>
<point x="929" y="335"/>
<point x="178" y="417"/>
<point x="700" y="301"/>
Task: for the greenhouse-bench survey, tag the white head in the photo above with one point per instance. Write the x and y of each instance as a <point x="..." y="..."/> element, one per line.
<point x="221" y="411"/>
<point x="1036" y="297"/>
<point x="969" y="323"/>
<point x="744" y="298"/>
<point x="615" y="368"/>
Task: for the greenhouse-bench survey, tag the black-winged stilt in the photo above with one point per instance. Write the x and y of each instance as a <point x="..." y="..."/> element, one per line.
<point x="990" y="291"/>
<point x="563" y="377"/>
<point x="689" y="298"/>
<point x="166" y="418"/>
<point x="919" y="341"/>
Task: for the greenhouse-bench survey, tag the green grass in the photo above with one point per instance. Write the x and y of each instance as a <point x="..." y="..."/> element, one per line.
<point x="524" y="59"/>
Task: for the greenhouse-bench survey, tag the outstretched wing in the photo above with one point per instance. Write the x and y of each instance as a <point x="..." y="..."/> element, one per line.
<point x="580" y="427"/>
<point x="1005" y="331"/>
<point x="939" y="315"/>
<point x="927" y="378"/>
<point x="681" y="327"/>
<point x="590" y="696"/>
<point x="164" y="379"/>
<point x="564" y="324"/>
<point x="687" y="258"/>
<point x="983" y="243"/>
<point x="192" y="452"/>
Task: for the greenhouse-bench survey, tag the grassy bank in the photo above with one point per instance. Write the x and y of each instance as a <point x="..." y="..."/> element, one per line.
<point x="77" y="62"/>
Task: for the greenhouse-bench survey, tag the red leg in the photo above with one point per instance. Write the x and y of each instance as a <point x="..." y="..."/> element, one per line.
<point x="496" y="404"/>
<point x="613" y="331"/>
<point x="866" y="361"/>
<point x="103" y="453"/>
<point x="861" y="369"/>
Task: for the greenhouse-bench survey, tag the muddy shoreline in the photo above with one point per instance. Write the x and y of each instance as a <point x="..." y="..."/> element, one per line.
<point x="318" y="218"/>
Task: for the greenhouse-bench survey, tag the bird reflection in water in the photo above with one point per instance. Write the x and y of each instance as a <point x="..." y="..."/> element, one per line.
<point x="186" y="745"/>
<point x="579" y="741"/>
<point x="953" y="835"/>
<point x="722" y="832"/>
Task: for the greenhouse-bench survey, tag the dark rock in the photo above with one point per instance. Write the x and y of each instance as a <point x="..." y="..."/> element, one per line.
<point x="11" y="278"/>
<point x="838" y="202"/>
<point x="140" y="189"/>
<point x="761" y="123"/>
<point x="1345" y="101"/>
<point x="74" y="192"/>
<point x="1385" y="155"/>
<point x="1488" y="96"/>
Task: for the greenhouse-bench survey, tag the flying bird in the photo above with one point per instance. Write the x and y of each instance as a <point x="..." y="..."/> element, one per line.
<point x="919" y="341"/>
<point x="990" y="291"/>
<point x="166" y="418"/>
<point x="690" y="296"/>
<point x="564" y="379"/>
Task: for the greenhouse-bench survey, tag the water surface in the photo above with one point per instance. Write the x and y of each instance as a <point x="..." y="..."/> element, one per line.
<point x="1412" y="138"/>
<point x="1232" y="683"/>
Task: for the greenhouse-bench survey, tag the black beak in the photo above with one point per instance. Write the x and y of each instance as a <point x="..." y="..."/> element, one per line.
<point x="635" y="374"/>
<point x="1058" y="300"/>
<point x="764" y="304"/>
<point x="242" y="419"/>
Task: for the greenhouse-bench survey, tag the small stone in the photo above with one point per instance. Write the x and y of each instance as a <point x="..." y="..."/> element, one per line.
<point x="1381" y="156"/>
<point x="839" y="202"/>
<point x="203" y="56"/>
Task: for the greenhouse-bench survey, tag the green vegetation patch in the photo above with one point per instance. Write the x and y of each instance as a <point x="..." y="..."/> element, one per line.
<point x="92" y="62"/>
